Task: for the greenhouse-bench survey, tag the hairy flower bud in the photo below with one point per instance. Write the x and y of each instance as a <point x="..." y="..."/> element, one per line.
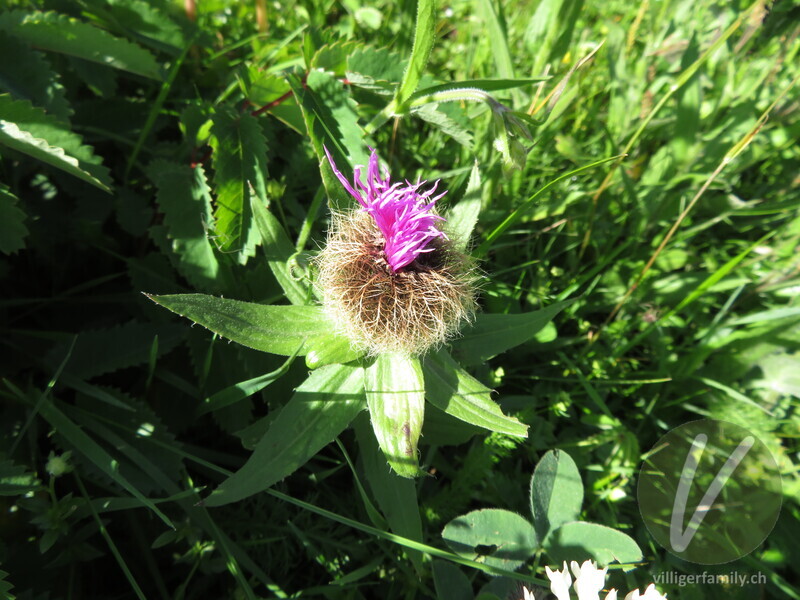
<point x="390" y="279"/>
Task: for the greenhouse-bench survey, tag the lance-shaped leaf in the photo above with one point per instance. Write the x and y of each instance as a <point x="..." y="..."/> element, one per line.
<point x="276" y="329"/>
<point x="456" y="392"/>
<point x="461" y="219"/>
<point x="396" y="399"/>
<point x="320" y="409"/>
<point x="240" y="152"/>
<point x="30" y="130"/>
<point x="492" y="334"/>
<point x="278" y="250"/>
<point x="59" y="33"/>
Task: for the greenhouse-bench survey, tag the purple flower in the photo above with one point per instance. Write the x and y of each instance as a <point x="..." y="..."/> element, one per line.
<point x="401" y="212"/>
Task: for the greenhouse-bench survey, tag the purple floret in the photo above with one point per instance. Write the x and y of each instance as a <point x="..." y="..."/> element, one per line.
<point x="402" y="213"/>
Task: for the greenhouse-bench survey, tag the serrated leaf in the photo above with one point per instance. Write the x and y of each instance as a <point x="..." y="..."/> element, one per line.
<point x="320" y="409"/>
<point x="377" y="64"/>
<point x="26" y="75"/>
<point x="184" y="200"/>
<point x="142" y="21"/>
<point x="12" y="223"/>
<point x="456" y="392"/>
<point x="239" y="154"/>
<point x="6" y="587"/>
<point x="278" y="250"/>
<point x="59" y="33"/>
<point x="556" y="493"/>
<point x="581" y="541"/>
<point x="101" y="351"/>
<point x="462" y="217"/>
<point x="492" y="334"/>
<point x="15" y="480"/>
<point x="331" y="121"/>
<point x="30" y="130"/>
<point x="500" y="538"/>
<point x="395" y="390"/>
<point x="276" y="329"/>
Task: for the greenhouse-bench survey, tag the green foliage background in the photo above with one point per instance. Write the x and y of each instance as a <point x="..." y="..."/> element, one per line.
<point x="132" y="140"/>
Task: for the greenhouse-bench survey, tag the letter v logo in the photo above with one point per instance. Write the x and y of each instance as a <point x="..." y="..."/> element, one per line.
<point x="678" y="537"/>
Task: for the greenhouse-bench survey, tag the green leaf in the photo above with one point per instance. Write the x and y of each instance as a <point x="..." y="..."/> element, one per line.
<point x="331" y="120"/>
<point x="30" y="130"/>
<point x="239" y="153"/>
<point x="450" y="582"/>
<point x="320" y="409"/>
<point x="184" y="200"/>
<point x="97" y="352"/>
<point x="492" y="334"/>
<point x="142" y="21"/>
<point x="15" y="480"/>
<point x="95" y="453"/>
<point x="331" y="349"/>
<point x="500" y="538"/>
<point x="556" y="492"/>
<point x="279" y="251"/>
<point x="59" y="33"/>
<point x="487" y="85"/>
<point x="26" y="75"/>
<point x="12" y="223"/>
<point x="457" y="393"/>
<point x="6" y="587"/>
<point x="435" y="115"/>
<point x="244" y="389"/>
<point x="582" y="541"/>
<point x="462" y="217"/>
<point x="396" y="398"/>
<point x="396" y="496"/>
<point x="424" y="37"/>
<point x="275" y="329"/>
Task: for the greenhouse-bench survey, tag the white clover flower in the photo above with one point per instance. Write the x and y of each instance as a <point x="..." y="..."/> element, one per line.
<point x="589" y="581"/>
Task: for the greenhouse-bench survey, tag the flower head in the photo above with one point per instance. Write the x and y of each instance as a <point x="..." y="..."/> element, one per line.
<point x="389" y="279"/>
<point x="401" y="212"/>
<point x="589" y="580"/>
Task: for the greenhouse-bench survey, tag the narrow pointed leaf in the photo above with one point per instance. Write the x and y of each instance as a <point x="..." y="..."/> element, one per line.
<point x="451" y="389"/>
<point x="396" y="398"/>
<point x="491" y="335"/>
<point x="396" y="496"/>
<point x="276" y="329"/>
<point x="278" y="250"/>
<point x="424" y="37"/>
<point x="461" y="219"/>
<point x="320" y="409"/>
